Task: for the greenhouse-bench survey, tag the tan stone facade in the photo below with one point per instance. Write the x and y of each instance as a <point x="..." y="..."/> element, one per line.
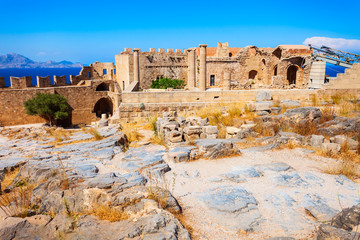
<point x="220" y="67"/>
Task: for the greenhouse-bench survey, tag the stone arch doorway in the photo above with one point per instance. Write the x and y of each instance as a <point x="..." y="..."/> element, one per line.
<point x="102" y="87"/>
<point x="252" y="74"/>
<point x="291" y="74"/>
<point x="103" y="105"/>
<point x="275" y="70"/>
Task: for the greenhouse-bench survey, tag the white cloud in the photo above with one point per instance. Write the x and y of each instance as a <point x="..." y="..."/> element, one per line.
<point x="337" y="43"/>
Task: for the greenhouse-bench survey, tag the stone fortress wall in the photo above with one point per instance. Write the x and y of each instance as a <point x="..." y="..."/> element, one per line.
<point x="89" y="94"/>
<point x="213" y="75"/>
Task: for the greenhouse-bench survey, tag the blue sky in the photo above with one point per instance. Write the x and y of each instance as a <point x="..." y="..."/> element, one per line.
<point x="89" y="31"/>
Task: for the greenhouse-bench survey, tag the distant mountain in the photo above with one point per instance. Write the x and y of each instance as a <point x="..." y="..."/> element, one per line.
<point x="14" y="60"/>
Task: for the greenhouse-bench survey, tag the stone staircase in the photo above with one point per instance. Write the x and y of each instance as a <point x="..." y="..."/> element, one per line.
<point x="350" y="79"/>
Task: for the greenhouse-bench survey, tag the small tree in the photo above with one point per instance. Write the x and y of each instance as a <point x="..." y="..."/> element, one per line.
<point x="51" y="107"/>
<point x="165" y="83"/>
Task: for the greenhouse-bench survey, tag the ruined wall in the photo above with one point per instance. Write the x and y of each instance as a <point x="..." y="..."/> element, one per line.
<point x="280" y="67"/>
<point x="350" y="79"/>
<point x="155" y="65"/>
<point x="101" y="70"/>
<point x="152" y="65"/>
<point x="86" y="73"/>
<point x="82" y="100"/>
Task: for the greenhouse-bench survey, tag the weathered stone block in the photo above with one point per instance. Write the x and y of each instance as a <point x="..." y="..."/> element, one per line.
<point x="175" y="136"/>
<point x="331" y="147"/>
<point x="317" y="141"/>
<point x="232" y="130"/>
<point x="275" y="110"/>
<point x="342" y="139"/>
<point x="190" y="130"/>
<point x="263" y="96"/>
<point x="210" y="129"/>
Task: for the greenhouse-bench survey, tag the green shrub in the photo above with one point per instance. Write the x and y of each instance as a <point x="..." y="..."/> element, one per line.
<point x="51" y="107"/>
<point x="165" y="83"/>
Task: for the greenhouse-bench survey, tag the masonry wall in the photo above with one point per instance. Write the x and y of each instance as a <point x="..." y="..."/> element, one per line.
<point x="154" y="103"/>
<point x="246" y="66"/>
<point x="81" y="99"/>
<point x="98" y="70"/>
<point x="349" y="79"/>
<point x="155" y="65"/>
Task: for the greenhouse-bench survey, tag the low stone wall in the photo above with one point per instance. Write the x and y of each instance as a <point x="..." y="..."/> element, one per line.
<point x="214" y="96"/>
<point x="142" y="105"/>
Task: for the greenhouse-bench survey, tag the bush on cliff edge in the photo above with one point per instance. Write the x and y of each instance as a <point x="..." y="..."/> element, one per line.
<point x="51" y="107"/>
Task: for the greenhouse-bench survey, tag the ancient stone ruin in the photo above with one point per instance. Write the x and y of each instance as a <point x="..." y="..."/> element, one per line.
<point x="256" y="146"/>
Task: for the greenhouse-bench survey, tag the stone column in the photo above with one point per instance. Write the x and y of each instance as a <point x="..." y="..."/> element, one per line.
<point x="227" y="81"/>
<point x="191" y="69"/>
<point x="202" y="75"/>
<point x="136" y="65"/>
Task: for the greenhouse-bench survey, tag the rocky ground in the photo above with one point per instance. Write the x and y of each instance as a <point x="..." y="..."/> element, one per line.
<point x="90" y="184"/>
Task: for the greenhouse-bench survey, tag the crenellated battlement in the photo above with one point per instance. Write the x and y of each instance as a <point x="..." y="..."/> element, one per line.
<point x="2" y="82"/>
<point x="43" y="81"/>
<point x="26" y="82"/>
<point x="169" y="51"/>
<point x="20" y="82"/>
<point x="60" y="81"/>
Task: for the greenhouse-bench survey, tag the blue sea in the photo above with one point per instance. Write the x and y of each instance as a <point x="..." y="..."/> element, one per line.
<point x="33" y="72"/>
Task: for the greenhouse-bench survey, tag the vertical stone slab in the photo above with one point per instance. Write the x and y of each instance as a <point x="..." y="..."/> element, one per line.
<point x="2" y="82"/>
<point x="191" y="68"/>
<point x="227" y="81"/>
<point x="202" y="74"/>
<point x="43" y="81"/>
<point x="60" y="80"/>
<point x="19" y="83"/>
<point x="317" y="74"/>
<point x="136" y="65"/>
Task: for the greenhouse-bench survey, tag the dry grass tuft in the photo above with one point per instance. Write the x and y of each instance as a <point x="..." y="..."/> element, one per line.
<point x="328" y="113"/>
<point x="158" y="139"/>
<point x="346" y="168"/>
<point x="64" y="180"/>
<point x="105" y="212"/>
<point x="9" y="178"/>
<point x="95" y="133"/>
<point x="336" y="98"/>
<point x="188" y="226"/>
<point x="314" y="100"/>
<point x="305" y="128"/>
<point x="59" y="134"/>
<point x="17" y="203"/>
<point x="266" y="129"/>
<point x="276" y="103"/>
<point x="235" y="111"/>
<point x="131" y="130"/>
<point x="159" y="188"/>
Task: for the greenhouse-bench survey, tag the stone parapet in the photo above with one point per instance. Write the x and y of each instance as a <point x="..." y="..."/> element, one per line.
<point x="20" y="83"/>
<point x="43" y="81"/>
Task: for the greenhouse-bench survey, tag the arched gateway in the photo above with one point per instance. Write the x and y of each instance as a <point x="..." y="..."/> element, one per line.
<point x="104" y="105"/>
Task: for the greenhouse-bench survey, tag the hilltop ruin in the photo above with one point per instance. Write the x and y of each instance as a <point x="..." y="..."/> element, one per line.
<point x="211" y="74"/>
